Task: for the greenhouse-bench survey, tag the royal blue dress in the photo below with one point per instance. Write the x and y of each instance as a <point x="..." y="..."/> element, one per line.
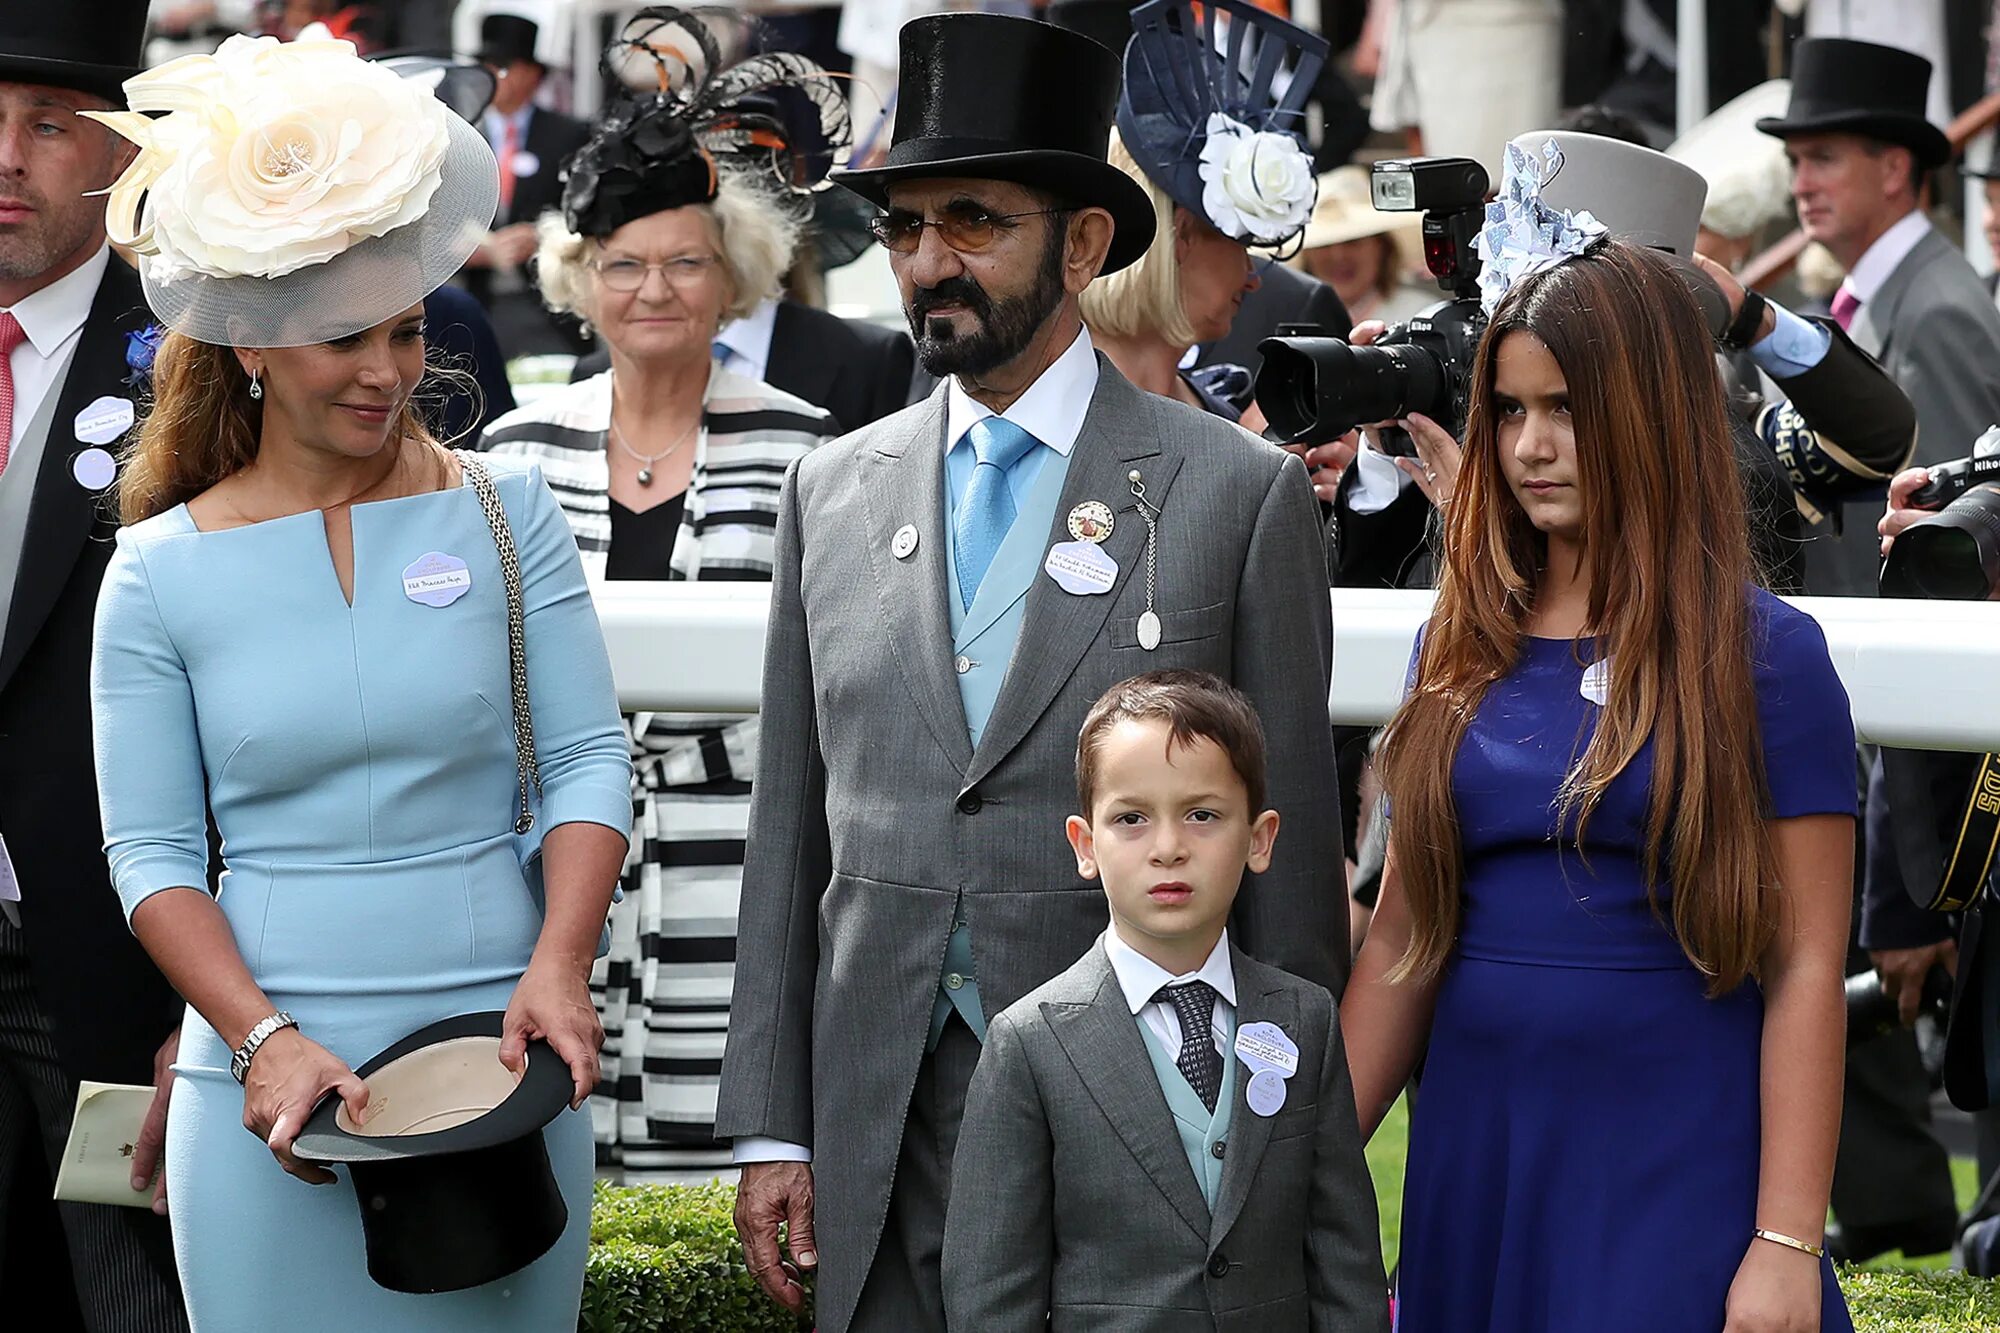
<point x="1585" y="1140"/>
<point x="359" y="761"/>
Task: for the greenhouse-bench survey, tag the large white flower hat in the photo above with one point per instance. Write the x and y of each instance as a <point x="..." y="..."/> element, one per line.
<point x="1213" y="111"/>
<point x="288" y="193"/>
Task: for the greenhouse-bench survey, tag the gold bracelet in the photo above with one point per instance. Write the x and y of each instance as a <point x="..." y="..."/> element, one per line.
<point x="1790" y="1242"/>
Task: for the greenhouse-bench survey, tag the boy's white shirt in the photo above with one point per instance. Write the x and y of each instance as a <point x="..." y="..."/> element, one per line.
<point x="1141" y="978"/>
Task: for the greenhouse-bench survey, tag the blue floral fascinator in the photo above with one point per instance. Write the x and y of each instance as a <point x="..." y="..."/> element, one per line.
<point x="1524" y="236"/>
<point x="1213" y="109"/>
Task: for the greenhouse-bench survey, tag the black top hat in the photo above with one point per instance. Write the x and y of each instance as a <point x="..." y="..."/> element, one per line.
<point x="92" y="48"/>
<point x="998" y="98"/>
<point x="505" y="38"/>
<point x="1841" y="86"/>
<point x="450" y="1168"/>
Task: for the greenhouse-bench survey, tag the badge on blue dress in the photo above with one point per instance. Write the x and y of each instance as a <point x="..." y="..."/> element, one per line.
<point x="436" y="579"/>
<point x="1596" y="683"/>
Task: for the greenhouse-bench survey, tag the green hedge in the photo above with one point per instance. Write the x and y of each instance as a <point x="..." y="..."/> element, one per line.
<point x="666" y="1259"/>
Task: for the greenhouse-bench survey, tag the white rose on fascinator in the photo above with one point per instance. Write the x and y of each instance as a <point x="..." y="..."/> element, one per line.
<point x="272" y="156"/>
<point x="1256" y="185"/>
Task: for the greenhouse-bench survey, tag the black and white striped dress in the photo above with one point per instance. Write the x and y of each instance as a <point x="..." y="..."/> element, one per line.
<point x="664" y="990"/>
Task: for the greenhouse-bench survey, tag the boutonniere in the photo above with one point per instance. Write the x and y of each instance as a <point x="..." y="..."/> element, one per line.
<point x="141" y="346"/>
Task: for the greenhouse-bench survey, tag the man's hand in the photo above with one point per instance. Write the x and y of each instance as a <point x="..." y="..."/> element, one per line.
<point x="149" y="1152"/>
<point x="509" y="247"/>
<point x="1732" y="291"/>
<point x="771" y="1193"/>
<point x="1901" y="513"/>
<point x="1903" y="972"/>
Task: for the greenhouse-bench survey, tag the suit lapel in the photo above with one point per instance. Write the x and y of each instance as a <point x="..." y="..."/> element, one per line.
<point x="1101" y="1039"/>
<point x="1249" y="1133"/>
<point x="1875" y="323"/>
<point x="904" y="486"/>
<point x="1062" y="625"/>
<point x="61" y="512"/>
<point x="787" y="367"/>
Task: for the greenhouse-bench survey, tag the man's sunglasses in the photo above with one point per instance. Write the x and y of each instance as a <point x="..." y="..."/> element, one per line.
<point x="966" y="228"/>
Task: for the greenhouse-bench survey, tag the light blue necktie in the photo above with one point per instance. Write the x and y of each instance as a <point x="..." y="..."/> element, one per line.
<point x="987" y="510"/>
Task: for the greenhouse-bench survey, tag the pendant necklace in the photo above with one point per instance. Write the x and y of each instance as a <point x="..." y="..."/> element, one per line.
<point x="646" y="462"/>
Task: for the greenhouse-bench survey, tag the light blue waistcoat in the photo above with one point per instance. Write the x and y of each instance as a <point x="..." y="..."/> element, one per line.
<point x="982" y="644"/>
<point x="1200" y="1131"/>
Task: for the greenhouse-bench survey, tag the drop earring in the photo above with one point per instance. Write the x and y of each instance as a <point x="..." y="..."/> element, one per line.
<point x="256" y="389"/>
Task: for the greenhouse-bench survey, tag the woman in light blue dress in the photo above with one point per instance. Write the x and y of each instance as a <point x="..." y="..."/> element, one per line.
<point x="304" y="634"/>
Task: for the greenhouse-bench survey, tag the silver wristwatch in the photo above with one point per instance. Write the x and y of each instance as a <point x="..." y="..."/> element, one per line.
<point x="239" y="1064"/>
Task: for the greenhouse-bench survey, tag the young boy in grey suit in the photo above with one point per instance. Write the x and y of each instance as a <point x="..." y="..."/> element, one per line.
<point x="1163" y="1137"/>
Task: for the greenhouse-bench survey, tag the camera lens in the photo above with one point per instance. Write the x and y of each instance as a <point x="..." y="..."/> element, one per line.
<point x="1313" y="390"/>
<point x="1952" y="556"/>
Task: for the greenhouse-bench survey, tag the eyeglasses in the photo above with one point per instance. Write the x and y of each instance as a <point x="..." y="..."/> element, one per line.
<point x="966" y="228"/>
<point x="629" y="275"/>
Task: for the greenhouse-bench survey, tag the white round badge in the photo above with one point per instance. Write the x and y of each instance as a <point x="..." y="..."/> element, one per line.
<point x="94" y="469"/>
<point x="1266" y="1093"/>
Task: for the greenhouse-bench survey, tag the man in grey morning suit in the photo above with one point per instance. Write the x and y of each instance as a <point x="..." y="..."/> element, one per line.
<point x="925" y="677"/>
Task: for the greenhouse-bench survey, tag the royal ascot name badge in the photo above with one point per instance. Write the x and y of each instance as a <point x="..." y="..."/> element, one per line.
<point x="436" y="579"/>
<point x="1271" y="1057"/>
<point x="1081" y="568"/>
<point x="105" y="420"/>
<point x="1596" y="683"/>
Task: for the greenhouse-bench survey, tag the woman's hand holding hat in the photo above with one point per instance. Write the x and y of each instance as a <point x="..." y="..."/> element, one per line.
<point x="286" y="1081"/>
<point x="552" y="1002"/>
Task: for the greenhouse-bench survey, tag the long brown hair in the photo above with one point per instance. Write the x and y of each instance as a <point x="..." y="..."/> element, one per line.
<point x="202" y="426"/>
<point x="1667" y="553"/>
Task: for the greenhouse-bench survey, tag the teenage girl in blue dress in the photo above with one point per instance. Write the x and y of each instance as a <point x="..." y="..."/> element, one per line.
<point x="1615" y="910"/>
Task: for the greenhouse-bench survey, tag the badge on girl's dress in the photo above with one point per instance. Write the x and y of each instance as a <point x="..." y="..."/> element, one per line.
<point x="436" y="579"/>
<point x="1091" y="521"/>
<point x="1265" y="1049"/>
<point x="1266" y="1093"/>
<point x="1596" y="683"/>
<point x="1081" y="568"/>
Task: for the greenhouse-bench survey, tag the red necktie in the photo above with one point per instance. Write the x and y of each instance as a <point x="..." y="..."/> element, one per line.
<point x="510" y="148"/>
<point x="11" y="336"/>
<point x="1845" y="303"/>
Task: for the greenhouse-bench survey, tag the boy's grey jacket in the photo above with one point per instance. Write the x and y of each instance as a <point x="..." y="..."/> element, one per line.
<point x="1072" y="1199"/>
<point x="873" y="814"/>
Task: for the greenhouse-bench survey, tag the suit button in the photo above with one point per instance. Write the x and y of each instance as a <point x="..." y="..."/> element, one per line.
<point x="1218" y="1266"/>
<point x="1218" y="1148"/>
<point x="970" y="803"/>
<point x="961" y="664"/>
<point x="953" y="981"/>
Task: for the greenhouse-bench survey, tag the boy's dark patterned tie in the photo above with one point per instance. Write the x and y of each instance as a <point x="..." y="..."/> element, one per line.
<point x="1200" y="1063"/>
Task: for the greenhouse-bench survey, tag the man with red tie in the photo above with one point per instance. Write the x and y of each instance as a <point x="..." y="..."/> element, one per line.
<point x="532" y="143"/>
<point x="78" y="998"/>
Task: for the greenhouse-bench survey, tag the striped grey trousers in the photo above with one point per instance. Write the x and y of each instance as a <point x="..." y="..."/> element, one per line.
<point x="117" y="1287"/>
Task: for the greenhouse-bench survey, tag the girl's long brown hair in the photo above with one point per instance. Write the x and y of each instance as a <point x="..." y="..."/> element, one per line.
<point x="203" y="425"/>
<point x="1667" y="553"/>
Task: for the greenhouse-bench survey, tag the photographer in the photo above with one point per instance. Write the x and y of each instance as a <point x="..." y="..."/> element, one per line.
<point x="1927" y="851"/>
<point x="1841" y="428"/>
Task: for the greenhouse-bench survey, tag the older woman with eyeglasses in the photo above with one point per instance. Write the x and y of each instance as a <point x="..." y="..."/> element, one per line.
<point x="667" y="467"/>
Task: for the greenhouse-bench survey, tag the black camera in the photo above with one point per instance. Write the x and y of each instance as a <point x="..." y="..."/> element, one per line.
<point x="1316" y="389"/>
<point x="1871" y="1013"/>
<point x="1953" y="554"/>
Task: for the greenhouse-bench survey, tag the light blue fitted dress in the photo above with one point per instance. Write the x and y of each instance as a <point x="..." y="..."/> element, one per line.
<point x="360" y="764"/>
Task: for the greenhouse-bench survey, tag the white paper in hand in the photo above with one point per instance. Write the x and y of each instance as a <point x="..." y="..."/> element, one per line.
<point x="97" y="1160"/>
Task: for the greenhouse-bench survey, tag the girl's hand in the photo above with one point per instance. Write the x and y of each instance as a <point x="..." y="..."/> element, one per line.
<point x="1435" y="468"/>
<point x="1777" y="1290"/>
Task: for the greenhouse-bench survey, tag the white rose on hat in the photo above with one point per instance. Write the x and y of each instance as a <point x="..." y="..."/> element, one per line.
<point x="1256" y="185"/>
<point x="272" y="157"/>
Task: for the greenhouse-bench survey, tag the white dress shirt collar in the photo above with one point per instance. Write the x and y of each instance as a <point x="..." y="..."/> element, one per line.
<point x="495" y="124"/>
<point x="1053" y="408"/>
<point x="749" y="340"/>
<point x="1141" y="978"/>
<point x="52" y="316"/>
<point x="1881" y="259"/>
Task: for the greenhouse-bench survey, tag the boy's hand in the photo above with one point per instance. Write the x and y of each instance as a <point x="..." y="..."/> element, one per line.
<point x="771" y="1193"/>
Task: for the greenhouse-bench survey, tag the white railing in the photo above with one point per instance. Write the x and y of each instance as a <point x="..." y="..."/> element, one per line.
<point x="1924" y="675"/>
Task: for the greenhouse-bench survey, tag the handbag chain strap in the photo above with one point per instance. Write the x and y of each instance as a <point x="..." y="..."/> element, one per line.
<point x="529" y="768"/>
